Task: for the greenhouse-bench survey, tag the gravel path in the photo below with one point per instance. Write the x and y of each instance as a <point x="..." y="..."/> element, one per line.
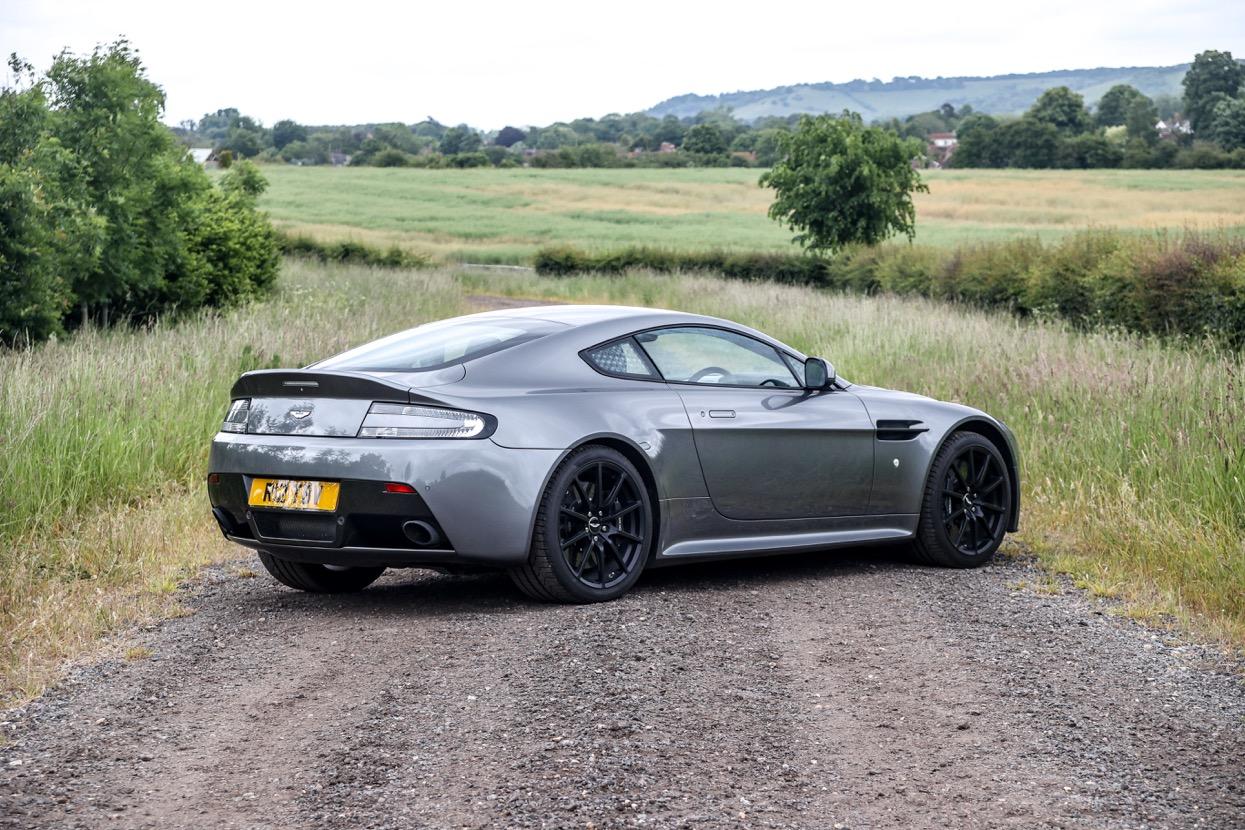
<point x="821" y="691"/>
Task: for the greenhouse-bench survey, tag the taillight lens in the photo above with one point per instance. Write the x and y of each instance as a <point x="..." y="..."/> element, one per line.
<point x="395" y="420"/>
<point x="235" y="419"/>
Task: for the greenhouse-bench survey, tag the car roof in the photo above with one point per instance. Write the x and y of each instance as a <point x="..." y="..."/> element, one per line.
<point x="582" y="315"/>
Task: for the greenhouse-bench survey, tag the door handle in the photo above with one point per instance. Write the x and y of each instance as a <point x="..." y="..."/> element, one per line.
<point x="721" y="413"/>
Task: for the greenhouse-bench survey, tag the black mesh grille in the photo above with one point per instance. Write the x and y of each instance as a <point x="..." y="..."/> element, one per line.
<point x="293" y="526"/>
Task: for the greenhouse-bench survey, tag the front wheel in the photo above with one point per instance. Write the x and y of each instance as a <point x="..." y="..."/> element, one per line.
<point x="318" y="579"/>
<point x="967" y="502"/>
<point x="593" y="530"/>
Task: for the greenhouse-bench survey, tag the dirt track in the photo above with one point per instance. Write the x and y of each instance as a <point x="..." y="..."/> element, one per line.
<point x="818" y="691"/>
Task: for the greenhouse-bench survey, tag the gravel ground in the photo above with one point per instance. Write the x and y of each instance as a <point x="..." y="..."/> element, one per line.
<point x="838" y="690"/>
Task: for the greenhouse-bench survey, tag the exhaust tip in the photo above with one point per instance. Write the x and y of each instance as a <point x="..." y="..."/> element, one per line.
<point x="421" y="533"/>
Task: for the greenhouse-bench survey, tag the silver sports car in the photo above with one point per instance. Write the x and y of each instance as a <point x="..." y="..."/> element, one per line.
<point x="574" y="446"/>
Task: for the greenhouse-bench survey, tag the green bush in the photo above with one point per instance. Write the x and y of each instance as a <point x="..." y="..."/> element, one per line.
<point x="1191" y="286"/>
<point x="103" y="216"/>
<point x="349" y="251"/>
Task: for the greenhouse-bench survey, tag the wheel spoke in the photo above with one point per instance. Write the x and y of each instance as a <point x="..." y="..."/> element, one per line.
<point x="953" y="494"/>
<point x="972" y="470"/>
<point x="615" y="490"/>
<point x="993" y="508"/>
<point x="624" y="511"/>
<point x="580" y="493"/>
<point x="618" y="557"/>
<point x="973" y="520"/>
<point x="955" y="469"/>
<point x="600" y="563"/>
<point x="626" y="534"/>
<point x="985" y="468"/>
<point x="960" y="535"/>
<point x="600" y="485"/>
<point x="991" y="487"/>
<point x="578" y="537"/>
<point x="574" y="514"/>
<point x="952" y="516"/>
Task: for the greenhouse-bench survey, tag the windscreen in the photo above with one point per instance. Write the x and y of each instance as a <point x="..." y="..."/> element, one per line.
<point x="437" y="345"/>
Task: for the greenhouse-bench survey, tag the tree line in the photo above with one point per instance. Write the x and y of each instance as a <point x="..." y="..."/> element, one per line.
<point x="1058" y="130"/>
<point x="103" y="216"/>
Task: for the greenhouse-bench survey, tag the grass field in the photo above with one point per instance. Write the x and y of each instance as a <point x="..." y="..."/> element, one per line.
<point x="506" y="215"/>
<point x="1134" y="453"/>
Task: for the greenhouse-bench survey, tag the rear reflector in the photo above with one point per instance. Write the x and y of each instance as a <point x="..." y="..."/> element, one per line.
<point x="394" y="487"/>
<point x="213" y="478"/>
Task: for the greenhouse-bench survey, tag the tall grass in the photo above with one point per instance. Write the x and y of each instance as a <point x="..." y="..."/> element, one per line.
<point x="104" y="438"/>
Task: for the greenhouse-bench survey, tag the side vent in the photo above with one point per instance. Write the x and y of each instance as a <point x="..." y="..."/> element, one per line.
<point x="900" y="430"/>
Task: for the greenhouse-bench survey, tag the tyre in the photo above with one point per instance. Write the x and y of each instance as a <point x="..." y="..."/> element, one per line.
<point x="966" y="505"/>
<point x="318" y="579"/>
<point x="593" y="533"/>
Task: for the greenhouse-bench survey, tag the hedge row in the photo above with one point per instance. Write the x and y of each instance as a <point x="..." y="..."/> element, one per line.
<point x="356" y="253"/>
<point x="1188" y="284"/>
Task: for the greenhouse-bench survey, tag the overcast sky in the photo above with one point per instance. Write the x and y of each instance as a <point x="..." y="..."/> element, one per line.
<point x="492" y="63"/>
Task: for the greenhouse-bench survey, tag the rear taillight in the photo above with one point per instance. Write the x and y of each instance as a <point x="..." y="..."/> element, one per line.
<point x="235" y="419"/>
<point x="395" y="420"/>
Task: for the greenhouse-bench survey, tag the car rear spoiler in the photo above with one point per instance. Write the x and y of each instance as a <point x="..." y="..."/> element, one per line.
<point x="296" y="383"/>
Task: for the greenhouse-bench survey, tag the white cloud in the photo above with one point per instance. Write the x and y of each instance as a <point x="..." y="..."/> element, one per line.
<point x="491" y="63"/>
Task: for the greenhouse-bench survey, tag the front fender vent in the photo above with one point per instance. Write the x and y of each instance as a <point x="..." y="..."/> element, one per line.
<point x="900" y="430"/>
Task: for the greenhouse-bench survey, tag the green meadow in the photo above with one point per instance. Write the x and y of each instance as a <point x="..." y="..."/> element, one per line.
<point x="505" y="216"/>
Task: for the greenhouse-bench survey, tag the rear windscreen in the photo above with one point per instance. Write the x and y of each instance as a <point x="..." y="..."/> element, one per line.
<point x="437" y="345"/>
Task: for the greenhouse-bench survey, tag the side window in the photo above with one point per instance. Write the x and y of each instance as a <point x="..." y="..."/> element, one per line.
<point x="715" y="356"/>
<point x="622" y="357"/>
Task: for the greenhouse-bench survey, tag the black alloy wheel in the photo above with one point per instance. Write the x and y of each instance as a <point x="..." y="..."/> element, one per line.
<point x="967" y="504"/>
<point x="593" y="531"/>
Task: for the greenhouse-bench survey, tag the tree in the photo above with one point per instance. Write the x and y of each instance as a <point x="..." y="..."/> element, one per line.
<point x="1088" y="151"/>
<point x="1061" y="108"/>
<point x="841" y="183"/>
<point x="243" y="142"/>
<point x="460" y="139"/>
<point x="978" y="145"/>
<point x="1028" y="142"/>
<point x="509" y="136"/>
<point x="768" y="146"/>
<point x="1212" y="72"/>
<point x="704" y="138"/>
<point x="1140" y="119"/>
<point x="102" y="211"/>
<point x="1229" y="123"/>
<point x="1114" y="105"/>
<point x="286" y="132"/>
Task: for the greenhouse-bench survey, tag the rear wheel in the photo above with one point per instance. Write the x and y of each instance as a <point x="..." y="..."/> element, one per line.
<point x="593" y="530"/>
<point x="319" y="579"/>
<point x="968" y="499"/>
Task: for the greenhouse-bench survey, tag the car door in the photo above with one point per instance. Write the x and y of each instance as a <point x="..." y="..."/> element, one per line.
<point x="768" y="448"/>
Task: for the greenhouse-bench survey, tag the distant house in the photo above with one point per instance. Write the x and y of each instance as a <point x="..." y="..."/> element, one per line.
<point x="1174" y="127"/>
<point x="666" y="147"/>
<point x="203" y="155"/>
<point x="339" y="159"/>
<point x="941" y="147"/>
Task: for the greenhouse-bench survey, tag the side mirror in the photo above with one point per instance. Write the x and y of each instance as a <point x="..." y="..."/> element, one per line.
<point x="818" y="373"/>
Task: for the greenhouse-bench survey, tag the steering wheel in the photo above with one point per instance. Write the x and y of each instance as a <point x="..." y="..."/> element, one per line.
<point x="774" y="382"/>
<point x="705" y="372"/>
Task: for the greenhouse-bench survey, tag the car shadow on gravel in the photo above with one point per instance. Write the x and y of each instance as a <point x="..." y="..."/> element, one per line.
<point x="733" y="574"/>
<point x="429" y="594"/>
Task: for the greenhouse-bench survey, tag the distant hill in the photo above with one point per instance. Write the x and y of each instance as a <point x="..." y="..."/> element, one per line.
<point x="997" y="95"/>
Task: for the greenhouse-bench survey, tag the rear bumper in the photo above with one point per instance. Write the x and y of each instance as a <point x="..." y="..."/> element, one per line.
<point x="481" y="496"/>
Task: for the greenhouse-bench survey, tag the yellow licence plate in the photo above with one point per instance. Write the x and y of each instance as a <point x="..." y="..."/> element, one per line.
<point x="291" y="494"/>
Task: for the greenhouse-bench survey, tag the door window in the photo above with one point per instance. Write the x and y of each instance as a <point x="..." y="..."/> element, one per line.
<point x="709" y="356"/>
